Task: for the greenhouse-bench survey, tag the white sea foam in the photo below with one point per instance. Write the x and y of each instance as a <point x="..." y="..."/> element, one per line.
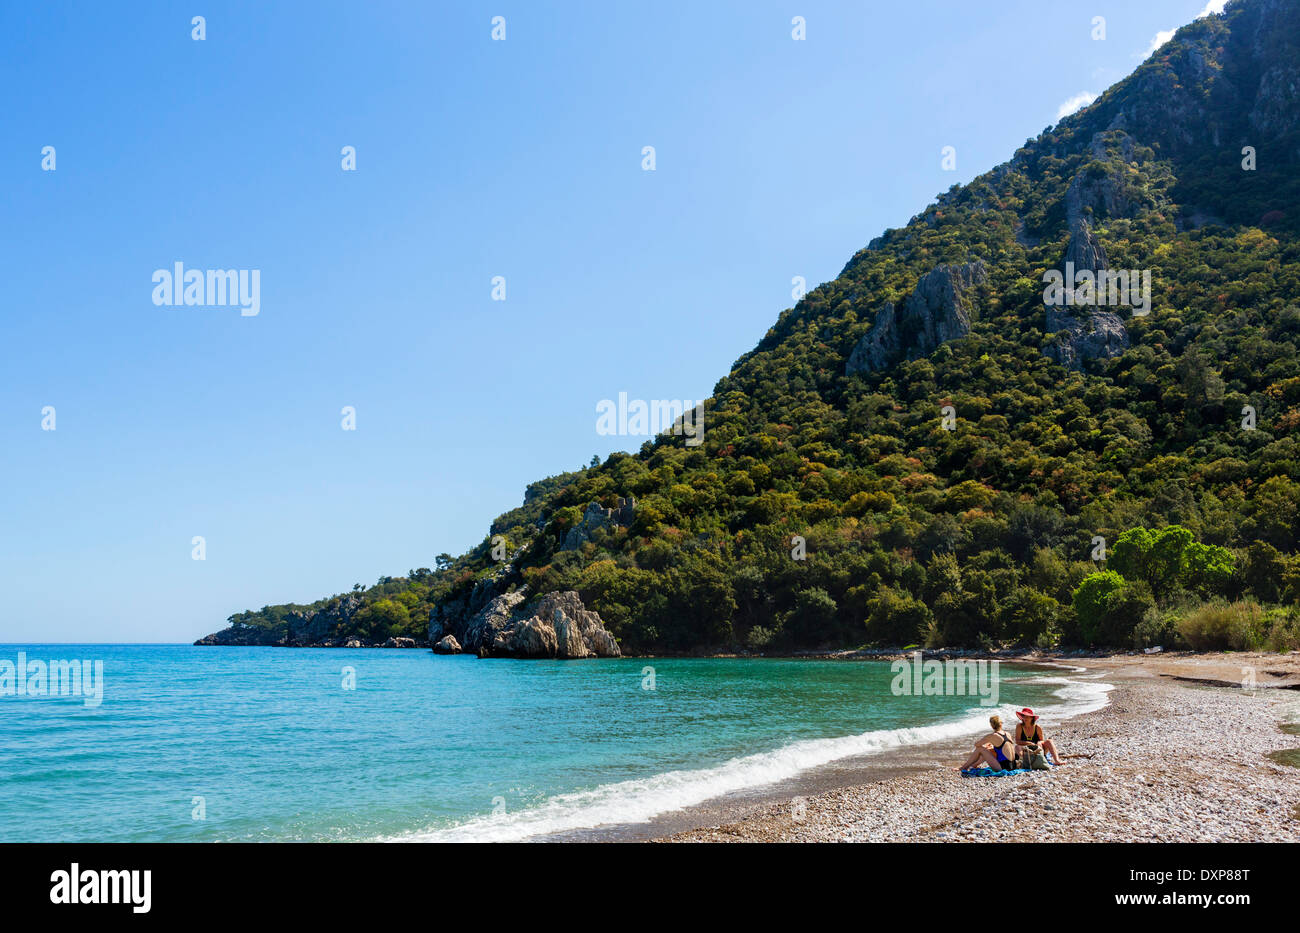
<point x="1076" y="697"/>
<point x="642" y="799"/>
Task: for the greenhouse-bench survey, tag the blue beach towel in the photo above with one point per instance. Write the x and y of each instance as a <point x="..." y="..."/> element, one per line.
<point x="989" y="772"/>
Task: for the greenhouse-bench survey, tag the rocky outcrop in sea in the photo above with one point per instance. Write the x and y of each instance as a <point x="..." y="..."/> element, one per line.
<point x="557" y="625"/>
<point x="447" y="645"/>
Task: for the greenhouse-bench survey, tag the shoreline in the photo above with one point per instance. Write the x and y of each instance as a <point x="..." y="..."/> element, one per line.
<point x="837" y="775"/>
<point x="1157" y="773"/>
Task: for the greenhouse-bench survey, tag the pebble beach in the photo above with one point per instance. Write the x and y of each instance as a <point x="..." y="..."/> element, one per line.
<point x="1178" y="756"/>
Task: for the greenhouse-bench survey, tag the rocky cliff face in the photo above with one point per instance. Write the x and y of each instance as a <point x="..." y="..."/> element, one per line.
<point x="555" y="626"/>
<point x="1084" y="334"/>
<point x="597" y="517"/>
<point x="1276" y="109"/>
<point x="1104" y="190"/>
<point x="1212" y="85"/>
<point x="484" y="626"/>
<point x="938" y="310"/>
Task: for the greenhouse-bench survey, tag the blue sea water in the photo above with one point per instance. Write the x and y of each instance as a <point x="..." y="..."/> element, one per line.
<point x="251" y="744"/>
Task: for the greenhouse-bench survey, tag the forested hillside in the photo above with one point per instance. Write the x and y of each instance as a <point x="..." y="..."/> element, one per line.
<point x="923" y="452"/>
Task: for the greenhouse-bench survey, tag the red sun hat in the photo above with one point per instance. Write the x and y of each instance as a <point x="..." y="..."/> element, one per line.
<point x="1026" y="713"/>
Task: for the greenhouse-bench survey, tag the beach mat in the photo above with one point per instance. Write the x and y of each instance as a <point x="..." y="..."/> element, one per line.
<point x="989" y="772"/>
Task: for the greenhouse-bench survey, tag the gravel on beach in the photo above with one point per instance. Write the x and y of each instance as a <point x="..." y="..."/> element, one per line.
<point x="1174" y="761"/>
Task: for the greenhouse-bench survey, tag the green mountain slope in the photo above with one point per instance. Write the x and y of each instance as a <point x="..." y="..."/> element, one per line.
<point x="922" y="451"/>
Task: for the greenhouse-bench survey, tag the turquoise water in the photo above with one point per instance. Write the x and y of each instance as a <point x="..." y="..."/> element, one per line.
<point x="430" y="747"/>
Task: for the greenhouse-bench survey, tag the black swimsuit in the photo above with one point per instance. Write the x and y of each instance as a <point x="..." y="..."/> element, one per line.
<point x="1003" y="759"/>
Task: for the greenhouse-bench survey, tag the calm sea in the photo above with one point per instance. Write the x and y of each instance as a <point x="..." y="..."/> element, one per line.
<point x="207" y="744"/>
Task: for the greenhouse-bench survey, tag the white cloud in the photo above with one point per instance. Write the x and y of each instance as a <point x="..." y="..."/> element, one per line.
<point x="1160" y="39"/>
<point x="1212" y="8"/>
<point x="1077" y="102"/>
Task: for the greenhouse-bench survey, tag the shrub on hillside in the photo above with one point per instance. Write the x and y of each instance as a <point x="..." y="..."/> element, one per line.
<point x="1282" y="627"/>
<point x="1158" y="628"/>
<point x="1220" y="626"/>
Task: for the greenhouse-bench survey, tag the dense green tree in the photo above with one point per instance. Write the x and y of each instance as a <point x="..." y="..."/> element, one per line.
<point x="897" y="618"/>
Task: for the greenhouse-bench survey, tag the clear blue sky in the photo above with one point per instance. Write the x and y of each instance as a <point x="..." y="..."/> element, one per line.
<point x="475" y="158"/>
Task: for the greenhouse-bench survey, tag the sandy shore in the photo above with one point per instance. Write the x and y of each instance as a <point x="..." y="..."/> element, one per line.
<point x="1177" y="757"/>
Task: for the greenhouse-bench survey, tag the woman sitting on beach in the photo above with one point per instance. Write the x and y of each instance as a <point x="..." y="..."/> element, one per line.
<point x="1030" y="736"/>
<point x="997" y="750"/>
